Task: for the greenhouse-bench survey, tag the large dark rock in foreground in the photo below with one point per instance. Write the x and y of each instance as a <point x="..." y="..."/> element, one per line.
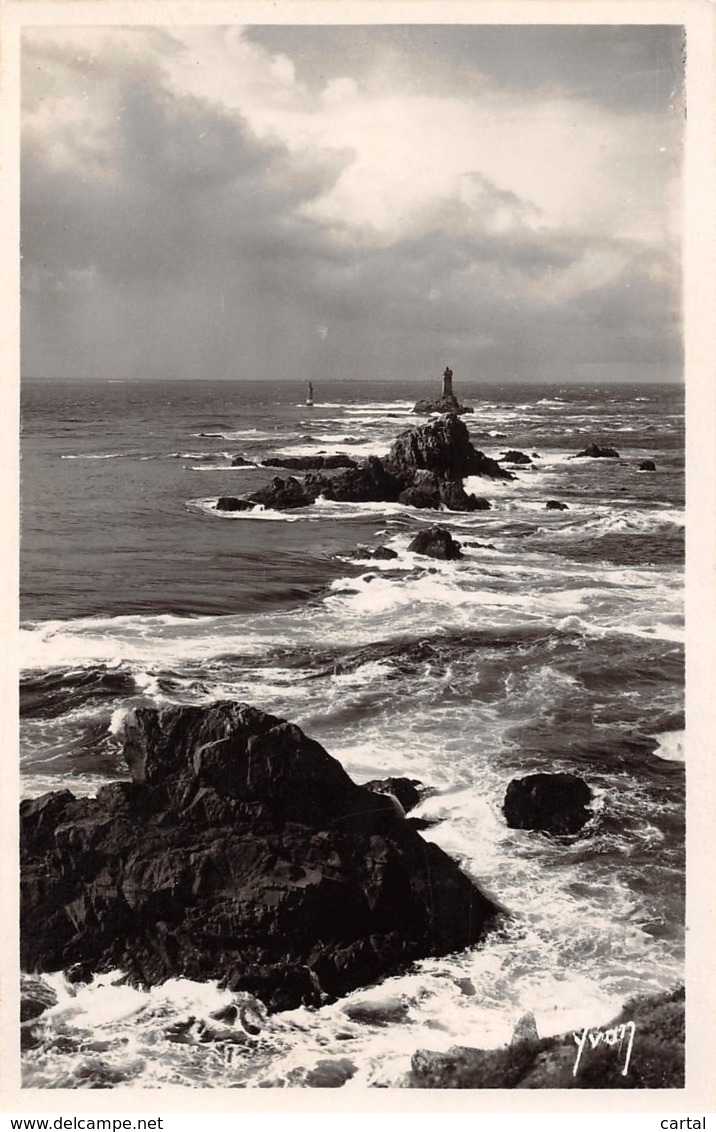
<point x="240" y="851"/>
<point x="656" y="1059"/>
<point x="553" y="803"/>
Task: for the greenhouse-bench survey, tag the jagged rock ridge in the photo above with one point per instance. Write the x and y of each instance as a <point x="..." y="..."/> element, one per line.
<point x="240" y="851"/>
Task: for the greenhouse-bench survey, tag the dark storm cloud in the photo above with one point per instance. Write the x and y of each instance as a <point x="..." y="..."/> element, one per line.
<point x="168" y="233"/>
<point x="620" y="67"/>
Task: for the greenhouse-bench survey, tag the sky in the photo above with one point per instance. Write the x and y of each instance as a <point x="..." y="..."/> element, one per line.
<point x="352" y="203"/>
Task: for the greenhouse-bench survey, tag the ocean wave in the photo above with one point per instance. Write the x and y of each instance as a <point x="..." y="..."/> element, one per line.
<point x="671" y="746"/>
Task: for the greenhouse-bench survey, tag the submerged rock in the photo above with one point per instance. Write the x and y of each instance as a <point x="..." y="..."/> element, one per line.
<point x="379" y="552"/>
<point x="553" y="803"/>
<point x="436" y="542"/>
<point x="240" y="851"/>
<point x="595" y="451"/>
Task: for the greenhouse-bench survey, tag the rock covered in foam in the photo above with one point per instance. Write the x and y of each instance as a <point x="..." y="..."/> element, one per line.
<point x="553" y="803"/>
<point x="436" y="542"/>
<point x="240" y="851"/>
<point x="424" y="468"/>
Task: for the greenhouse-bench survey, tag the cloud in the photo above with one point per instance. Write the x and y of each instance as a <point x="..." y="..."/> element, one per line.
<point x="193" y="204"/>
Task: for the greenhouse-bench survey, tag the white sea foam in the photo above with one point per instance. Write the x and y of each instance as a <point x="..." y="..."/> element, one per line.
<point x="671" y="746"/>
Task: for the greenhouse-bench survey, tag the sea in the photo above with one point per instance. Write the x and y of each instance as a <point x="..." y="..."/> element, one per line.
<point x="554" y="644"/>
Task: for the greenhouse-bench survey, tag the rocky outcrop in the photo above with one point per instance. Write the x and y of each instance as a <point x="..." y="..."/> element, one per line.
<point x="594" y="450"/>
<point x="447" y="402"/>
<point x="368" y="483"/>
<point x="239" y="851"/>
<point x="436" y="542"/>
<point x="555" y="505"/>
<point x="647" y="466"/>
<point x="310" y="463"/>
<point x="515" y="457"/>
<point x="424" y="468"/>
<point x="552" y="803"/>
<point x="441" y="405"/>
<point x="282" y="495"/>
<point x="656" y="1060"/>
<point x="232" y="503"/>
<point x="442" y="446"/>
<point x="242" y="462"/>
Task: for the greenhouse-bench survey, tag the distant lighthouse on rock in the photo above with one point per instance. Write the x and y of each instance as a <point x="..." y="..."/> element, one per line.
<point x="447" y="384"/>
<point x="447" y="402"/>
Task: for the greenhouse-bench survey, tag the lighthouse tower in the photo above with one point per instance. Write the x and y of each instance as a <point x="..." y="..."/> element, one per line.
<point x="447" y="385"/>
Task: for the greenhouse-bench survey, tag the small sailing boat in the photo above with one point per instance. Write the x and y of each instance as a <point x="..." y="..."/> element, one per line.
<point x="309" y="395"/>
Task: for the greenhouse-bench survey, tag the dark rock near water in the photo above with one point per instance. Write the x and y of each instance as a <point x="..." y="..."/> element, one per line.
<point x="553" y="803"/>
<point x="436" y="542"/>
<point x="367" y="483"/>
<point x="447" y="402"/>
<point x="282" y="495"/>
<point x="240" y="851"/>
<point x="647" y="466"/>
<point x="441" y="405"/>
<point x="514" y="457"/>
<point x="310" y="463"/>
<point x="429" y="491"/>
<point x="455" y="498"/>
<point x="424" y="468"/>
<point x="442" y="446"/>
<point x="380" y="552"/>
<point x="595" y="451"/>
<point x="242" y="462"/>
<point x="232" y="503"/>
<point x="408" y="791"/>
<point x="556" y="505"/>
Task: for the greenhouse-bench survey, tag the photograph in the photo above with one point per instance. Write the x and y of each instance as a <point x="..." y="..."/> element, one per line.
<point x="352" y="587"/>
